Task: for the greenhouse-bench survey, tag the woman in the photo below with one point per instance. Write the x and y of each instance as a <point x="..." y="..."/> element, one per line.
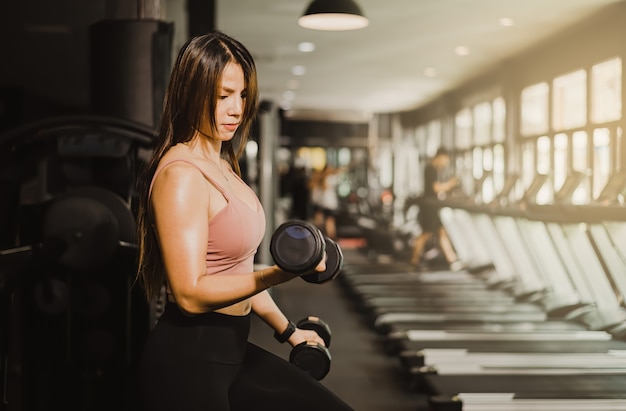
<point x="199" y="227"/>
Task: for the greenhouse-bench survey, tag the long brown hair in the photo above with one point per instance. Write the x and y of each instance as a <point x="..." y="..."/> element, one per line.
<point x="190" y="103"/>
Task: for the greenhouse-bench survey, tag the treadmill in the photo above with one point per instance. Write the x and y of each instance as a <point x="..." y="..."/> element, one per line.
<point x="605" y="316"/>
<point x="522" y="402"/>
<point x="531" y="288"/>
<point x="584" y="374"/>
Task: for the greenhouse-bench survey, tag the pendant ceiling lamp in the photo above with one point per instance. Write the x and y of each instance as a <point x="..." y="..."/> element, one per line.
<point x="333" y="15"/>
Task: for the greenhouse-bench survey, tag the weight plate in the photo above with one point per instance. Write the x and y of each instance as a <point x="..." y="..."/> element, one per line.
<point x="334" y="264"/>
<point x="311" y="358"/>
<point x="297" y="246"/>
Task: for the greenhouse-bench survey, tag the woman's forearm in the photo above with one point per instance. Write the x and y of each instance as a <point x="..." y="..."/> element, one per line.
<point x="212" y="292"/>
<point x="265" y="307"/>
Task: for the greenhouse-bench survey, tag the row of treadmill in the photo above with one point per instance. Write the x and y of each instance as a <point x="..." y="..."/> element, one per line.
<point x="536" y="322"/>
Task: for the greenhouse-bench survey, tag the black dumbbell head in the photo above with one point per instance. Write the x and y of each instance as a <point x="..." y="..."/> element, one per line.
<point x="311" y="358"/>
<point x="316" y="324"/>
<point x="297" y="246"/>
<point x="334" y="264"/>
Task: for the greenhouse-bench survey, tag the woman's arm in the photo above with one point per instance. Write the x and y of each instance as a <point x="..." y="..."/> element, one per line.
<point x="265" y="307"/>
<point x="181" y="205"/>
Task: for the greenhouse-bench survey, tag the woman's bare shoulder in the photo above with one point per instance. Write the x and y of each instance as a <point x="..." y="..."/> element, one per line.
<point x="179" y="151"/>
<point x="178" y="165"/>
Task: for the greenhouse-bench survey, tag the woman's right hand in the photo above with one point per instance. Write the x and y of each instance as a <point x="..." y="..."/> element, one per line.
<point x="320" y="267"/>
<point x="322" y="264"/>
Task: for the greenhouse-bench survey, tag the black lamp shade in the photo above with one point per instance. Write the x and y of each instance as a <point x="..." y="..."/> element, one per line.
<point x="333" y="15"/>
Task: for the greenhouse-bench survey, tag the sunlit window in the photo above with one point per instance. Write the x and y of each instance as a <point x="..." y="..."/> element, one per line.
<point x="544" y="196"/>
<point x="619" y="150"/>
<point x="477" y="160"/>
<point x="487" y="159"/>
<point x="463" y="128"/>
<point x="467" y="180"/>
<point x="601" y="159"/>
<point x="407" y="166"/>
<point x="560" y="160"/>
<point x="498" y="168"/>
<point x="569" y="101"/>
<point x="433" y="141"/>
<point x="385" y="166"/>
<point x="543" y="155"/>
<point x="534" y="109"/>
<point x="482" y="123"/>
<point x="487" y="187"/>
<point x="580" y="162"/>
<point x="528" y="163"/>
<point x="499" y="120"/>
<point x="420" y="139"/>
<point x="579" y="152"/>
<point x="606" y="91"/>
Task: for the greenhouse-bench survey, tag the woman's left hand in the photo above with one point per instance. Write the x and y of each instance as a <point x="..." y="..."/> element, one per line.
<point x="300" y="336"/>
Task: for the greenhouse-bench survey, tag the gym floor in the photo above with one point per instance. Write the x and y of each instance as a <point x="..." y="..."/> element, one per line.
<point x="361" y="374"/>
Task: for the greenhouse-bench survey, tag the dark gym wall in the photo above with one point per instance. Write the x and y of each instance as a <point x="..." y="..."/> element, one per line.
<point x="46" y="71"/>
<point x="43" y="49"/>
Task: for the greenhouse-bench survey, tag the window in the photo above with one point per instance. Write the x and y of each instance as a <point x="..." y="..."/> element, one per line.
<point x="580" y="162"/>
<point x="385" y="165"/>
<point x="528" y="163"/>
<point x="606" y="91"/>
<point x="477" y="162"/>
<point x="467" y="180"/>
<point x="420" y="139"/>
<point x="560" y="160"/>
<point x="499" y="120"/>
<point x="499" y="172"/>
<point x="482" y="123"/>
<point x="543" y="155"/>
<point x="619" y="150"/>
<point x="579" y="152"/>
<point x="534" y="109"/>
<point x="487" y="192"/>
<point x="407" y="164"/>
<point x="433" y="142"/>
<point x="601" y="159"/>
<point x="543" y="167"/>
<point x="569" y="101"/>
<point x="463" y="126"/>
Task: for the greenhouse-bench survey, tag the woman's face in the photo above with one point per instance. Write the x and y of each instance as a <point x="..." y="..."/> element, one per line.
<point x="230" y="102"/>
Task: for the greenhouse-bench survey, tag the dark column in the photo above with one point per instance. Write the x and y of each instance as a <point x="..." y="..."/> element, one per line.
<point x="130" y="61"/>
<point x="130" y="67"/>
<point x="201" y="16"/>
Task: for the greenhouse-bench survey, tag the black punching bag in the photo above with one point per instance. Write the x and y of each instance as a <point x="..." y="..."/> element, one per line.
<point x="130" y="62"/>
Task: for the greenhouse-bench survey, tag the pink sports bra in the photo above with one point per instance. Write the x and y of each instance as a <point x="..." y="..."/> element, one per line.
<point x="235" y="232"/>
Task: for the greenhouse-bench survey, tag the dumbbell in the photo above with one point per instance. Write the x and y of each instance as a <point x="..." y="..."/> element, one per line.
<point x="298" y="246"/>
<point x="312" y="357"/>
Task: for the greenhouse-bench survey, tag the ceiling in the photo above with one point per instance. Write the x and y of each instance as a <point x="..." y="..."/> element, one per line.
<point x="402" y="60"/>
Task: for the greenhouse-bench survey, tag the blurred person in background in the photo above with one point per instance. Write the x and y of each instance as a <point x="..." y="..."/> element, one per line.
<point x="436" y="186"/>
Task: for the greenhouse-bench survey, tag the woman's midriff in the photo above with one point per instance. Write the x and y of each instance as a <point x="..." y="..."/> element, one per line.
<point x="238" y="309"/>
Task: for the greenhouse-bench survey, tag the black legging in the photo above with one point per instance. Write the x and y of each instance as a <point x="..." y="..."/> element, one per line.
<point x="204" y="362"/>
